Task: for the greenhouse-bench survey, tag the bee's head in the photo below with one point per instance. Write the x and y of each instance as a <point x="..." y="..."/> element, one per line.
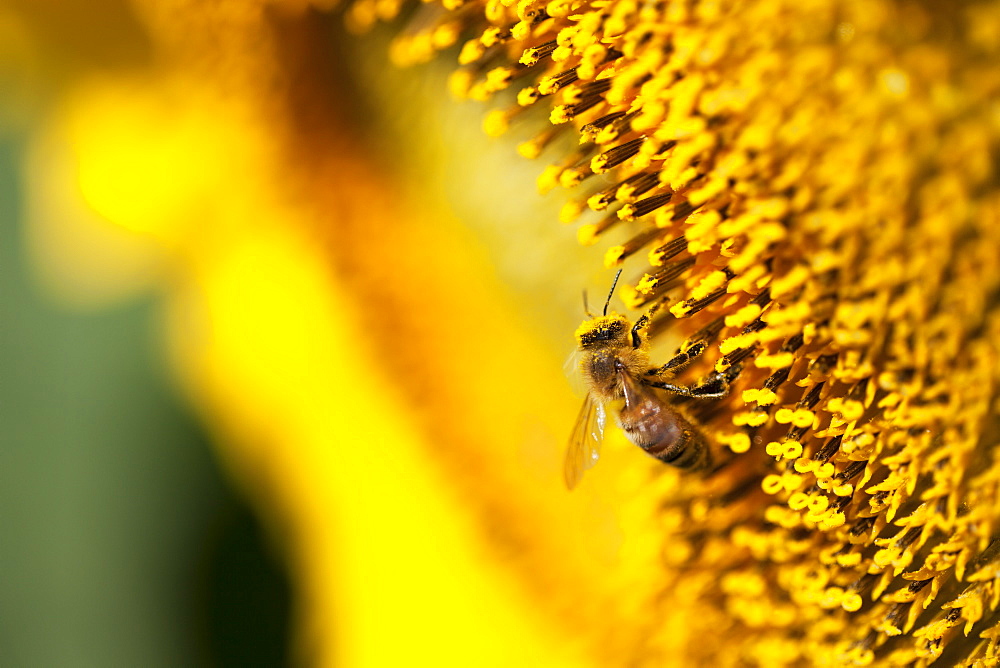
<point x="603" y="331"/>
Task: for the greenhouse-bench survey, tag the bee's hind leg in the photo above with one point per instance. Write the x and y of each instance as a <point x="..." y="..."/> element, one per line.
<point x="716" y="386"/>
<point x="682" y="390"/>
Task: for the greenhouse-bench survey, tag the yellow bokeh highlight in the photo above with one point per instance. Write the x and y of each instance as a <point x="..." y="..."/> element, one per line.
<point x="157" y="157"/>
<point x="125" y="171"/>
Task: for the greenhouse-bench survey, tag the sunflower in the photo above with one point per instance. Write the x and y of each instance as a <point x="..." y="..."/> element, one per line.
<point x="806" y="193"/>
<point x="812" y="189"/>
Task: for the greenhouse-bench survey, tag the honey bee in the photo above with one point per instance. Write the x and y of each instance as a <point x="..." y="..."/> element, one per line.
<point x="619" y="376"/>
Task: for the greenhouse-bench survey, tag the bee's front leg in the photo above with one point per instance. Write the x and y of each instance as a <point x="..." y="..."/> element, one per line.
<point x="642" y="322"/>
<point x="639" y="324"/>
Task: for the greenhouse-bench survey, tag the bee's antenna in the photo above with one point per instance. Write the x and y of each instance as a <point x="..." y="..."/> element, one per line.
<point x="612" y="291"/>
<point x="586" y="308"/>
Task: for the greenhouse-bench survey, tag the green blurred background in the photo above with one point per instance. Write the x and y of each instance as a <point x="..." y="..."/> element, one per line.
<point x="120" y="541"/>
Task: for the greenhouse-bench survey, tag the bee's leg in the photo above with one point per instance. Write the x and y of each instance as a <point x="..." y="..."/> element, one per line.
<point x="639" y="324"/>
<point x="676" y="389"/>
<point x="642" y="322"/>
<point x="713" y="388"/>
<point x="680" y="360"/>
<point x="682" y="390"/>
<point x="716" y="385"/>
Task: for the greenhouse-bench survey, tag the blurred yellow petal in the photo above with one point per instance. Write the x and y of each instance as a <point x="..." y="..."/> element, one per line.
<point x="383" y="443"/>
<point x="391" y="569"/>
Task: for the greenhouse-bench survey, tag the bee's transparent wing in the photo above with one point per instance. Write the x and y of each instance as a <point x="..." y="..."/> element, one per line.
<point x="584" y="447"/>
<point x="572" y="370"/>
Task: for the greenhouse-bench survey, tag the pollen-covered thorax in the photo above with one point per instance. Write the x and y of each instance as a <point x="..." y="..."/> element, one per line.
<point x="601" y="369"/>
